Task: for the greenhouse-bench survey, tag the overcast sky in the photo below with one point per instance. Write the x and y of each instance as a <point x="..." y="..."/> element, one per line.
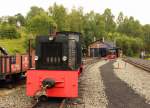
<point x="136" y="8"/>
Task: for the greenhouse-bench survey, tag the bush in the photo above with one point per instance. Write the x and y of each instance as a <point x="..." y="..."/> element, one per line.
<point x="40" y="24"/>
<point x="8" y="32"/>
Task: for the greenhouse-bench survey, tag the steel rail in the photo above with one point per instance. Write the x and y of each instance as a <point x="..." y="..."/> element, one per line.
<point x="137" y="64"/>
<point x="62" y="105"/>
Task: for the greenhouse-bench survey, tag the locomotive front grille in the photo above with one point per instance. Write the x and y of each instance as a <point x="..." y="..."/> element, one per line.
<point x="51" y="53"/>
<point x="61" y="53"/>
<point x="53" y="60"/>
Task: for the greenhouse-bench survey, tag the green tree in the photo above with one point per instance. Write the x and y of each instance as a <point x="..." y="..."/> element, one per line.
<point x="130" y="27"/>
<point x="110" y="25"/>
<point x="59" y="14"/>
<point x="75" y="20"/>
<point x="20" y="18"/>
<point x="40" y="24"/>
<point x="130" y="46"/>
<point x="34" y="11"/>
<point x="93" y="27"/>
<point x="146" y="36"/>
<point x="8" y="31"/>
<point x="120" y="18"/>
<point x="11" y="20"/>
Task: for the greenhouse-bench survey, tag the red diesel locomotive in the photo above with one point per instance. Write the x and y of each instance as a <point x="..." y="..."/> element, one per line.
<point x="57" y="66"/>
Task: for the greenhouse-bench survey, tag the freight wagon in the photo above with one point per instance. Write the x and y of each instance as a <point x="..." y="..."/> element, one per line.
<point x="14" y="66"/>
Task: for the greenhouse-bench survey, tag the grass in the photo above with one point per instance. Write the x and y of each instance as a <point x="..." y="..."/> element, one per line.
<point x="13" y="45"/>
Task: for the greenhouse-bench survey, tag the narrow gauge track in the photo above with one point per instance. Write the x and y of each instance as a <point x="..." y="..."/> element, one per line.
<point x="47" y="104"/>
<point x="143" y="64"/>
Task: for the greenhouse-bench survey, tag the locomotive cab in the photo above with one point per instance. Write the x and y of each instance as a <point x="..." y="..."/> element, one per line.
<point x="58" y="65"/>
<point x="63" y="52"/>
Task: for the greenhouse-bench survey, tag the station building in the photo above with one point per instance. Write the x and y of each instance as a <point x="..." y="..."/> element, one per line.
<point x="101" y="48"/>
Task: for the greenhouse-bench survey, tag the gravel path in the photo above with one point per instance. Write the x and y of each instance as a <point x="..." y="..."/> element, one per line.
<point x="137" y="79"/>
<point x="119" y="94"/>
<point x="91" y="87"/>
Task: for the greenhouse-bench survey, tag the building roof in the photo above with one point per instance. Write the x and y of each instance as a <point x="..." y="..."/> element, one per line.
<point x="105" y="44"/>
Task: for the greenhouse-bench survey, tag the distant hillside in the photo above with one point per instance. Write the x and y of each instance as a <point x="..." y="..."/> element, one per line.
<point x="13" y="45"/>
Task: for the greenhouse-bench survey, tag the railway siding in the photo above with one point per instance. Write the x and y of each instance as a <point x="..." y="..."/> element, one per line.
<point x="144" y="64"/>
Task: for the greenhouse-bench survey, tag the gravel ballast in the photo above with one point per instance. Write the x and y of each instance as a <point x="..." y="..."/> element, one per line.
<point x="118" y="92"/>
<point x="91" y="87"/>
<point x="137" y="79"/>
<point x="16" y="99"/>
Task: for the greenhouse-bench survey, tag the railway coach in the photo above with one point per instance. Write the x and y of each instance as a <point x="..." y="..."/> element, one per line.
<point x="58" y="66"/>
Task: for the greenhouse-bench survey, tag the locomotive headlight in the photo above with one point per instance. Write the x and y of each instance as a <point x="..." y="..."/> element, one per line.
<point x="36" y="58"/>
<point x="64" y="58"/>
<point x="51" y="38"/>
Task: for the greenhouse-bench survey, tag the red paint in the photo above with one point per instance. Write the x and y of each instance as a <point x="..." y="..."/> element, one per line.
<point x="66" y="82"/>
<point x="111" y="56"/>
<point x="15" y="67"/>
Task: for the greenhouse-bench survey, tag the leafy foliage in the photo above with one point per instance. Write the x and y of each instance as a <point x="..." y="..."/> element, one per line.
<point x="59" y="14"/>
<point x="8" y="31"/>
<point x="129" y="45"/>
<point x="39" y="24"/>
<point x="127" y="32"/>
